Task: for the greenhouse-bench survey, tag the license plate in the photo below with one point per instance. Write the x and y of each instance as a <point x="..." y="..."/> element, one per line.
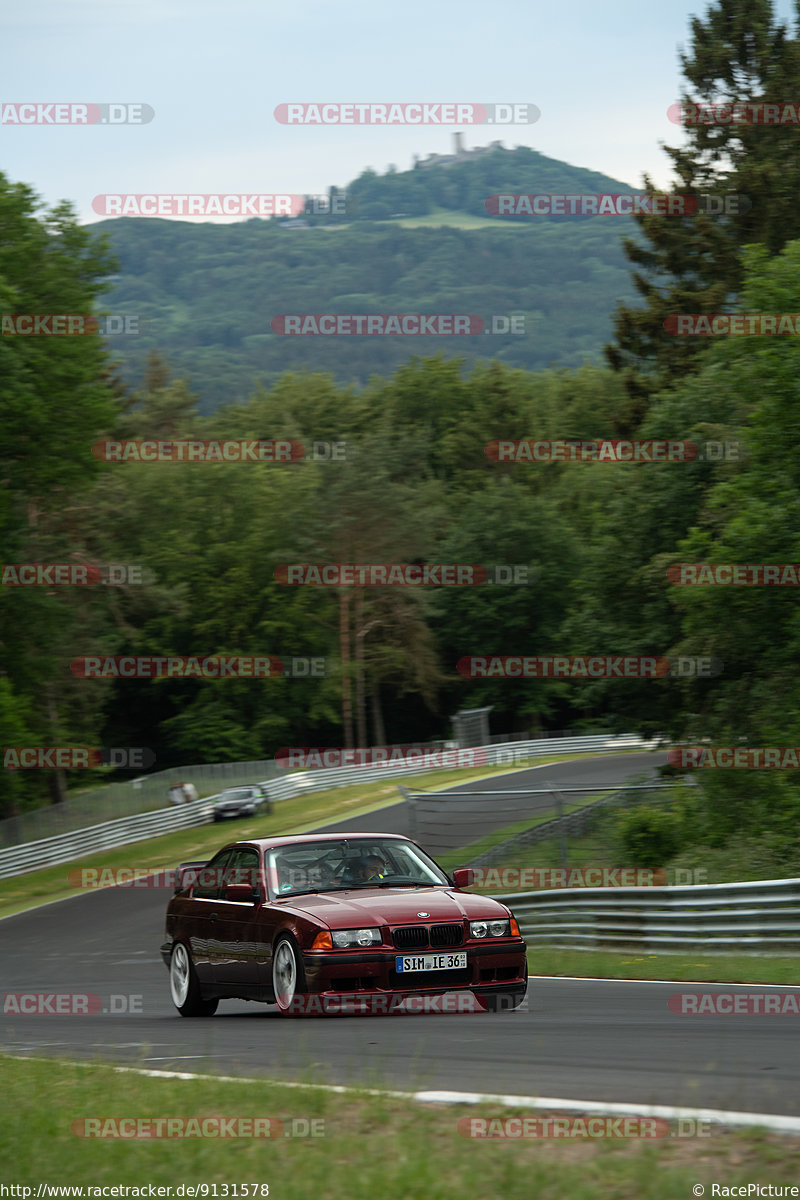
<point x="431" y="962"/>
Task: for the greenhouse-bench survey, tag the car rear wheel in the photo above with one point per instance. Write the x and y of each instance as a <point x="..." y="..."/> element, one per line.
<point x="288" y="976"/>
<point x="183" y="985"/>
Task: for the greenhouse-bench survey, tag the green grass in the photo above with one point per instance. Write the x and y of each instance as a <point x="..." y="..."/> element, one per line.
<point x="690" y="965"/>
<point x="20" y="892"/>
<point x="371" y="1145"/>
<point x="593" y="850"/>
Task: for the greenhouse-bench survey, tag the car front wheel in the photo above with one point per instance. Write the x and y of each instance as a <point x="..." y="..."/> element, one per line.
<point x="183" y="985"/>
<point x="288" y="976"/>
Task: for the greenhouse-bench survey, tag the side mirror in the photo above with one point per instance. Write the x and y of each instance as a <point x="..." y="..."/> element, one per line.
<point x="244" y="893"/>
<point x="463" y="877"/>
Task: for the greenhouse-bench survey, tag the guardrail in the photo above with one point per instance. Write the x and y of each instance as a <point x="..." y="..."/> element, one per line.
<point x="716" y="918"/>
<point x="127" y="798"/>
<point x="29" y="856"/>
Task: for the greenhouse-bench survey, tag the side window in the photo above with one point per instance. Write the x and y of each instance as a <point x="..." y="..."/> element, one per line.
<point x="209" y="877"/>
<point x="242" y="867"/>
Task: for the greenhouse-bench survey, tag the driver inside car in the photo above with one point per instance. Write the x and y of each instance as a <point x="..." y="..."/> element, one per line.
<point x="369" y="869"/>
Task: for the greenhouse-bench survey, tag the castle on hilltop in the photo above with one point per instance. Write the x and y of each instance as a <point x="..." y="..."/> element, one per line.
<point x="459" y="154"/>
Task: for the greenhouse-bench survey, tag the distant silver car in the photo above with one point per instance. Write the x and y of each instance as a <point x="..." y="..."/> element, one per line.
<point x="242" y="802"/>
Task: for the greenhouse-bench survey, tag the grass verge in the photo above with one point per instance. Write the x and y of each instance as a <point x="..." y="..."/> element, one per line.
<point x="690" y="965"/>
<point x="370" y="1145"/>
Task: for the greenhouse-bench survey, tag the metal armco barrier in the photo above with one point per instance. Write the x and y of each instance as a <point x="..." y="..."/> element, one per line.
<point x="16" y="860"/>
<point x="759" y="918"/>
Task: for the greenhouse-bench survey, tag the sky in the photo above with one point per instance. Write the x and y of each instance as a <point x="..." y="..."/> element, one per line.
<point x="214" y="71"/>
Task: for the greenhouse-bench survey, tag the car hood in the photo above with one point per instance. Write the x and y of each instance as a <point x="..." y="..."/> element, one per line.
<point x="395" y="906"/>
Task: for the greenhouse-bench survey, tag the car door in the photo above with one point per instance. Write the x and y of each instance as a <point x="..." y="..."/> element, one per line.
<point x="199" y="914"/>
<point x="239" y="958"/>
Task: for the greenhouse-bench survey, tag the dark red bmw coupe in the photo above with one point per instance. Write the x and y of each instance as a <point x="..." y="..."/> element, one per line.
<point x="326" y="923"/>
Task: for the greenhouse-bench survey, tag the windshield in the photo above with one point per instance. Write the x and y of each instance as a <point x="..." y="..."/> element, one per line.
<point x="243" y="793"/>
<point x="332" y="866"/>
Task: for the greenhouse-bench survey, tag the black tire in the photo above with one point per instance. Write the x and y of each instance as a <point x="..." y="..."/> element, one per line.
<point x="183" y="985"/>
<point x="288" y="976"/>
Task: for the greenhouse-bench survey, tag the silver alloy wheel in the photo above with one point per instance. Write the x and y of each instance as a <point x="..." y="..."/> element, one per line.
<point x="284" y="974"/>
<point x="179" y="974"/>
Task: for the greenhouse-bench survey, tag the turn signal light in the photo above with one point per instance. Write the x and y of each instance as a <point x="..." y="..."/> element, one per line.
<point x="514" y="927"/>
<point x="322" y="942"/>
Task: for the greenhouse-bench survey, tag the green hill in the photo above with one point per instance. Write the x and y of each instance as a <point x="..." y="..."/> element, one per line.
<point x="206" y="294"/>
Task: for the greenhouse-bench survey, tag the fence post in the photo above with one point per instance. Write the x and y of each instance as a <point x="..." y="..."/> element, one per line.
<point x="412" y="810"/>
<point x="563" y="851"/>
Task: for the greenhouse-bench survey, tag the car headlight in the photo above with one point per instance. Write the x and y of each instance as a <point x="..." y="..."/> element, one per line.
<point x="482" y="929"/>
<point x="343" y="938"/>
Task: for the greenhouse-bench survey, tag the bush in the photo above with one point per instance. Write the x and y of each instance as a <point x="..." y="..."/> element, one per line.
<point x="648" y="837"/>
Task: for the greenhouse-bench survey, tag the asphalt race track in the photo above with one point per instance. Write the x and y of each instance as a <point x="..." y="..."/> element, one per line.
<point x="581" y="1039"/>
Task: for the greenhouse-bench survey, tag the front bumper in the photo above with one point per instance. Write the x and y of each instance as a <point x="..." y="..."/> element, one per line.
<point x="498" y="966"/>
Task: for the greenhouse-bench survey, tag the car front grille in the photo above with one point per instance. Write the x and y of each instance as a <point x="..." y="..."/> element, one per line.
<point x="447" y="935"/>
<point x="419" y="937"/>
<point x="410" y="937"/>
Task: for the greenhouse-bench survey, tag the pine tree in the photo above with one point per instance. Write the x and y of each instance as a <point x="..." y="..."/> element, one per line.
<point x="691" y="264"/>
